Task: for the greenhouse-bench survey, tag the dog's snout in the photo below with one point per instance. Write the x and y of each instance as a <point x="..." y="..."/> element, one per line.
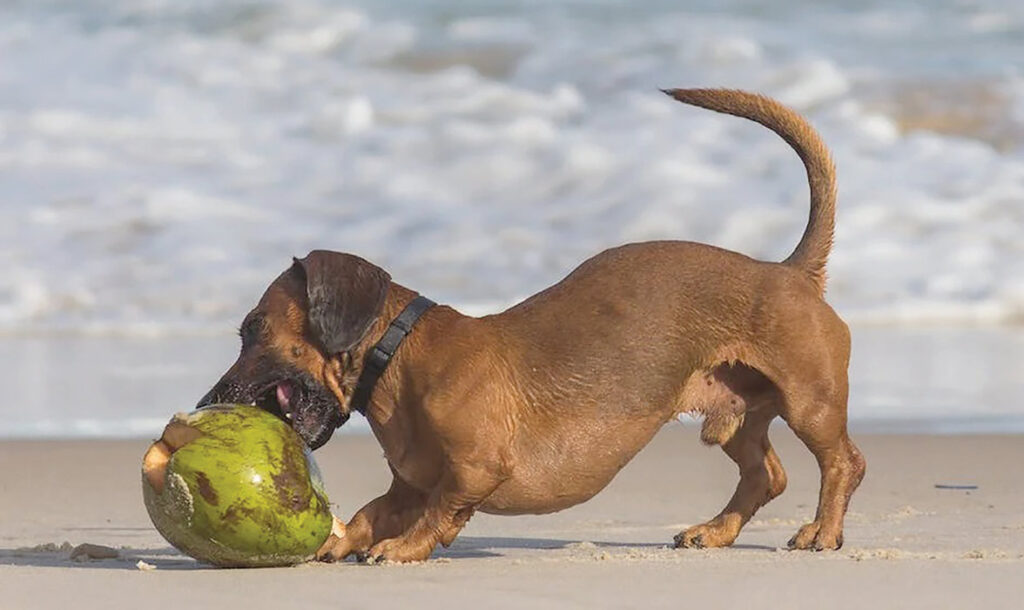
<point x="229" y="390"/>
<point x="226" y="391"/>
<point x="209" y="398"/>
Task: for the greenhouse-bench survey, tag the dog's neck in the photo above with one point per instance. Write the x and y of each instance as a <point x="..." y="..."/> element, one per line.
<point x="385" y="396"/>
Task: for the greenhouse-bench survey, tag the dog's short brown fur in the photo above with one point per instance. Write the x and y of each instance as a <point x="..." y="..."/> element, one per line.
<point x="536" y="409"/>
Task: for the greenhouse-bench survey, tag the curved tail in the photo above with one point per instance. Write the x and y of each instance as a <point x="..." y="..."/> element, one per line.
<point x="811" y="253"/>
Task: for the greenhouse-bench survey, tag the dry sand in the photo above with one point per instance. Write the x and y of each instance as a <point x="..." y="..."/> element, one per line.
<point x="909" y="544"/>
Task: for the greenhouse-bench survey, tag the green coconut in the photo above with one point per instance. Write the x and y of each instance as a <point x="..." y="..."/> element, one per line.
<point x="234" y="486"/>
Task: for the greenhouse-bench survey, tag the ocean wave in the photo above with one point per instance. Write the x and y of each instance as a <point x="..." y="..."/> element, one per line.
<point x="163" y="161"/>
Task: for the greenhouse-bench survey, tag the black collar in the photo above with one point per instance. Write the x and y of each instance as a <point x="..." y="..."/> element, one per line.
<point x="380" y="354"/>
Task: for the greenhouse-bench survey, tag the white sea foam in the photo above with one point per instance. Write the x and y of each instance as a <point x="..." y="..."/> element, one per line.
<point x="161" y="162"/>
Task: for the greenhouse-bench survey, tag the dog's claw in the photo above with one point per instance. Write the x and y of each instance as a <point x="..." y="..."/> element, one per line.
<point x="697" y="542"/>
<point x="369" y="559"/>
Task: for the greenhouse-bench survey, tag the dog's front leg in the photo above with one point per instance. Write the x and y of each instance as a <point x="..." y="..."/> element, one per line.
<point x="448" y="508"/>
<point x="384" y="517"/>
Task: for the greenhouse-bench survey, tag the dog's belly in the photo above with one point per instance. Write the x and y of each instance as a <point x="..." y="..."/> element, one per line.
<point x="527" y="497"/>
<point x="563" y="467"/>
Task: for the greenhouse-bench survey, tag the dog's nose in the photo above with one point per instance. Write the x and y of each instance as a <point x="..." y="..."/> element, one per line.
<point x="210" y="398"/>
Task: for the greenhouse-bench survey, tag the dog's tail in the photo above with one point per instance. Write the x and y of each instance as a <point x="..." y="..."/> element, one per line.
<point x="811" y="253"/>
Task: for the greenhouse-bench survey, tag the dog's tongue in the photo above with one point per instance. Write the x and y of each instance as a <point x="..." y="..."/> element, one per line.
<point x="284" y="395"/>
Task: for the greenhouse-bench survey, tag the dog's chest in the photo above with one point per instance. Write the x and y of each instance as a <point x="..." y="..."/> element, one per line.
<point x="417" y="462"/>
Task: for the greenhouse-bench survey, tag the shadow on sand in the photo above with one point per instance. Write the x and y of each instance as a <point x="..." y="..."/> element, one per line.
<point x="168" y="558"/>
<point x="41" y="557"/>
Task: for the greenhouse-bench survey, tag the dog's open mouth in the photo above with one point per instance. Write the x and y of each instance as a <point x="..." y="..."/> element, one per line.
<point x="308" y="408"/>
<point x="281" y="398"/>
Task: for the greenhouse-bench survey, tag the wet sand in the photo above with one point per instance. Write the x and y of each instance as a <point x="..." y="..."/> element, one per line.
<point x="909" y="544"/>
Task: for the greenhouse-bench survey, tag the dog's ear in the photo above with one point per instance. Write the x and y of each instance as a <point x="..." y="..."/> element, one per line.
<point x="346" y="294"/>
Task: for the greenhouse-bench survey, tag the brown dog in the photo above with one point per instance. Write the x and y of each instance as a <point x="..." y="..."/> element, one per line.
<point x="536" y="409"/>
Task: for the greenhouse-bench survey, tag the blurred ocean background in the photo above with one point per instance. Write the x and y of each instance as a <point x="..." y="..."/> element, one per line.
<point x="162" y="160"/>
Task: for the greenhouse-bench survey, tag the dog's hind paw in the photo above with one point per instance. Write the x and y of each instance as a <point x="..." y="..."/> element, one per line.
<point x="707" y="535"/>
<point x="810" y="537"/>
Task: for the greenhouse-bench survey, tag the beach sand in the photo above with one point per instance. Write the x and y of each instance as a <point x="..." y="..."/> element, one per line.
<point x="909" y="544"/>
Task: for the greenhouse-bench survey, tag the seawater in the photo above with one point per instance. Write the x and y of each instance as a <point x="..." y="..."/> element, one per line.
<point x="927" y="379"/>
<point x="162" y="160"/>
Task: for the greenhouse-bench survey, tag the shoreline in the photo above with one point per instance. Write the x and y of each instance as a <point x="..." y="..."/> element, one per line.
<point x="925" y="380"/>
<point x="994" y="426"/>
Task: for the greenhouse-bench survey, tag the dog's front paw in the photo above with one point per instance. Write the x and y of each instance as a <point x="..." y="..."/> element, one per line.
<point x="811" y="537"/>
<point x="398" y="550"/>
<point x="338" y="545"/>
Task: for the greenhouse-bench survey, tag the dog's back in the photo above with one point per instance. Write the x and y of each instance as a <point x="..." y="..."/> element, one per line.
<point x="717" y="304"/>
<point x="704" y="304"/>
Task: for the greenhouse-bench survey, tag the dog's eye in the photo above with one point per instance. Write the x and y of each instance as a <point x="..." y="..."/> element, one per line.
<point x="251" y="329"/>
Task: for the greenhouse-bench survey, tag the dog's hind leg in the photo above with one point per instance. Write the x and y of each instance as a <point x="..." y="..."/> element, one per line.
<point x="761" y="479"/>
<point x="815" y="390"/>
<point x="822" y="427"/>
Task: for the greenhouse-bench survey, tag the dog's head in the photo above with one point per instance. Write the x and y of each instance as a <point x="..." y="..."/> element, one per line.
<point x="296" y="342"/>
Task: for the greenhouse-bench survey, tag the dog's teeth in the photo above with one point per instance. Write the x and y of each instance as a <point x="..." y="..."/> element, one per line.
<point x="288" y="415"/>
